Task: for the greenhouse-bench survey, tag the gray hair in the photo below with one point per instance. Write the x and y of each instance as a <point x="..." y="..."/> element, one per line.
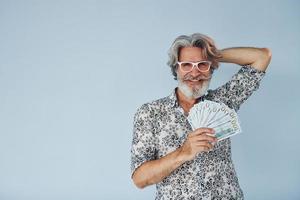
<point x="209" y="50"/>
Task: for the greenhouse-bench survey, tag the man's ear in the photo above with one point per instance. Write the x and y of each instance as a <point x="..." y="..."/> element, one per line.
<point x="176" y="72"/>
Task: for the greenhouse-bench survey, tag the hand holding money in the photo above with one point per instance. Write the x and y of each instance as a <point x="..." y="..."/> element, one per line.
<point x="217" y="116"/>
<point x="200" y="140"/>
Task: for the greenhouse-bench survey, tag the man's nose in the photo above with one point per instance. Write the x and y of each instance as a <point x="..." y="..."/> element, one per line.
<point x="195" y="72"/>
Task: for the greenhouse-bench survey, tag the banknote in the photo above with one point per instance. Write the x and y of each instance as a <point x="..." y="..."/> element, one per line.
<point x="216" y="115"/>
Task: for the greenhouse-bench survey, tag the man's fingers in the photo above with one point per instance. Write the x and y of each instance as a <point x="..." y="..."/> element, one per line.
<point x="205" y="145"/>
<point x="203" y="134"/>
<point x="203" y="130"/>
<point x="205" y="138"/>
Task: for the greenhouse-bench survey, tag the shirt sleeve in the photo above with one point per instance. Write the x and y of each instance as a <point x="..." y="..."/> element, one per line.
<point x="143" y="142"/>
<point x="239" y="88"/>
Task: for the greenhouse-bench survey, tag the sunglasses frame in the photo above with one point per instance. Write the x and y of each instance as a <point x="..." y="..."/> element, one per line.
<point x="195" y="64"/>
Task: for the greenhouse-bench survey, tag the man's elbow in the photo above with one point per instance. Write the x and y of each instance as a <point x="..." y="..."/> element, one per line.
<point x="267" y="53"/>
<point x="267" y="56"/>
<point x="137" y="182"/>
<point x="264" y="59"/>
<point x="139" y="185"/>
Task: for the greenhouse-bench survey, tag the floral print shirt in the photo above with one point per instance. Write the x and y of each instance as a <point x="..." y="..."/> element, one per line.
<point x="161" y="127"/>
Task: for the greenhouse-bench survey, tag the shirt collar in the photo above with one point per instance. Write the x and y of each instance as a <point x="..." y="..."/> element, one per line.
<point x="173" y="102"/>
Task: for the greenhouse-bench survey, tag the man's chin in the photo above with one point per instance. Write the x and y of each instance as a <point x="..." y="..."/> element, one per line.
<point x="194" y="86"/>
<point x="193" y="89"/>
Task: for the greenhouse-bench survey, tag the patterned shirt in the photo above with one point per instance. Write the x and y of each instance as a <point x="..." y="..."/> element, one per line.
<point x="161" y="127"/>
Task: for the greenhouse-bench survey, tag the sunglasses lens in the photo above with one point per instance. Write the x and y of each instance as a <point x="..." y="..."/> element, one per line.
<point x="204" y="66"/>
<point x="186" y="66"/>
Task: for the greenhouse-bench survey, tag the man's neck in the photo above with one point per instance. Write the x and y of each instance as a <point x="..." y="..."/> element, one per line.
<point x="185" y="102"/>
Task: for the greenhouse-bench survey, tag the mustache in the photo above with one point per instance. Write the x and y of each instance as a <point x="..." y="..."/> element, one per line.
<point x="189" y="77"/>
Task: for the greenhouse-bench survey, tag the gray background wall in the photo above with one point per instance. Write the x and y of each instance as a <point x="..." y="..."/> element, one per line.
<point x="72" y="74"/>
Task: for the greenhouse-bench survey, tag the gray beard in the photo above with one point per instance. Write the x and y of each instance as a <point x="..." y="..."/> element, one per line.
<point x="195" y="92"/>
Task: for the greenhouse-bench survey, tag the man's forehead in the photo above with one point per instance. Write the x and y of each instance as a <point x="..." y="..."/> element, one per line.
<point x="191" y="54"/>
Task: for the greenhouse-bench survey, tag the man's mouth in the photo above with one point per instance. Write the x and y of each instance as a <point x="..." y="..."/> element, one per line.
<point x="193" y="82"/>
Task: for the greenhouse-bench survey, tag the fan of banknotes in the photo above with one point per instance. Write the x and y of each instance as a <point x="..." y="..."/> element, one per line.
<point x="217" y="116"/>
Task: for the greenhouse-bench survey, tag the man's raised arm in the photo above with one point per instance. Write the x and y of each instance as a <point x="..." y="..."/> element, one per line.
<point x="259" y="58"/>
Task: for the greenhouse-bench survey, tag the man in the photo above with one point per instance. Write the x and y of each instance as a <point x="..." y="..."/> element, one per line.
<point x="186" y="164"/>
